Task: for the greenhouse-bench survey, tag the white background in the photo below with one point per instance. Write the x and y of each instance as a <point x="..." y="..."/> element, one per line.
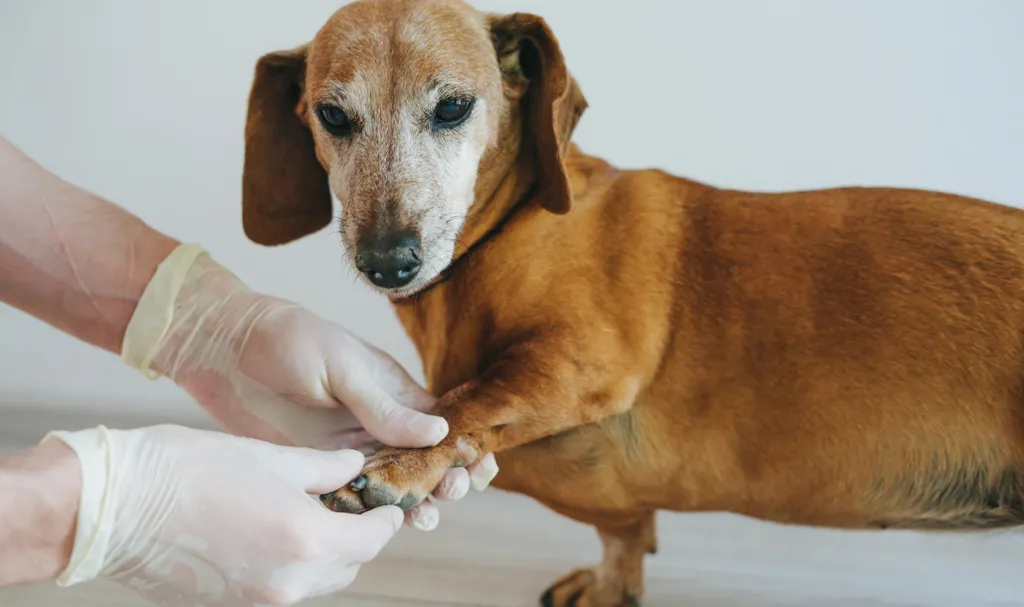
<point x="144" y="103"/>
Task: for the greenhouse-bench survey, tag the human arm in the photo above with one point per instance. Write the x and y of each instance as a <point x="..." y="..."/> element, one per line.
<point x="39" y="491"/>
<point x="70" y="258"/>
<point x="83" y="264"/>
<point x="168" y="512"/>
<point x="263" y="367"/>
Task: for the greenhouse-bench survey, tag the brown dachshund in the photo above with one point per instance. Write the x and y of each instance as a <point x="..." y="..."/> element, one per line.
<point x="629" y="341"/>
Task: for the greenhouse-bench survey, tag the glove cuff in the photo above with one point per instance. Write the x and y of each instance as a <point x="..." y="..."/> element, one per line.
<point x="152" y="317"/>
<point x="94" y="449"/>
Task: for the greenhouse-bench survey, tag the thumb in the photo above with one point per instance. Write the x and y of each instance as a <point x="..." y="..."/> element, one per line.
<point x="312" y="470"/>
<point x="365" y="535"/>
<point x="392" y="515"/>
<point x="386" y="420"/>
<point x="335" y="469"/>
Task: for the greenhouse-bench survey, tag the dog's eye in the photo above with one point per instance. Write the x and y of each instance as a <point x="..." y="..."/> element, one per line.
<point x="451" y="112"/>
<point x="334" y="119"/>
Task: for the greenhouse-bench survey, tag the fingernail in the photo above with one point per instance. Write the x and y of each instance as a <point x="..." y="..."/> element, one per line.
<point x="430" y="428"/>
<point x="359" y="484"/>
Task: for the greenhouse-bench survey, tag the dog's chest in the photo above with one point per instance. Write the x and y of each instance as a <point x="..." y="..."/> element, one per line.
<point x="449" y="341"/>
<point x="462" y="324"/>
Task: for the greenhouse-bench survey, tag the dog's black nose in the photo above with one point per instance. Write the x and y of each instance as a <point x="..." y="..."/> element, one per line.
<point x="389" y="260"/>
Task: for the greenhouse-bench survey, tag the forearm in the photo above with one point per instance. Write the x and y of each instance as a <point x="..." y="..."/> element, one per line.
<point x="39" y="492"/>
<point x="534" y="390"/>
<point x="534" y="393"/>
<point x="70" y="258"/>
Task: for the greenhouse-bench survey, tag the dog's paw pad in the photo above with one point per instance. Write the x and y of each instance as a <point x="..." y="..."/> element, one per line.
<point x="368" y="492"/>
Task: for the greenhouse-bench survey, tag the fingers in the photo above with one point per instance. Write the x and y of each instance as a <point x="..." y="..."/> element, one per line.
<point x="361" y="537"/>
<point x="483" y="472"/>
<point x="454" y="485"/>
<point x="388" y="403"/>
<point x="385" y="419"/>
<point x="312" y="470"/>
<point x="390" y="517"/>
<point x="360" y="440"/>
<point x="335" y="469"/>
<point x="423" y="517"/>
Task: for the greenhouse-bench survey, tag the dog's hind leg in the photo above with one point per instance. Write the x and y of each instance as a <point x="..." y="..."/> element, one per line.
<point x="651" y="536"/>
<point x="619" y="580"/>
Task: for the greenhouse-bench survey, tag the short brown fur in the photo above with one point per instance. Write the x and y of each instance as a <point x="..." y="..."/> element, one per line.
<point x="632" y="341"/>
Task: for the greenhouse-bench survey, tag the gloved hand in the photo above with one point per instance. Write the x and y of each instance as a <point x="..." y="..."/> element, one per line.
<point x="195" y="518"/>
<point x="267" y="368"/>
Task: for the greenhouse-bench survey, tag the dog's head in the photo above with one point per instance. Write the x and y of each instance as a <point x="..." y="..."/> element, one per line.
<point x="410" y="112"/>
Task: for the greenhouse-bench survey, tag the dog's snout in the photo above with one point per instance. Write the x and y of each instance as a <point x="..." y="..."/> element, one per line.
<point x="389" y="260"/>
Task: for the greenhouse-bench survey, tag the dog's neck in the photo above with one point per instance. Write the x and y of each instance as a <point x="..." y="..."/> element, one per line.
<point x="494" y="207"/>
<point x="514" y="189"/>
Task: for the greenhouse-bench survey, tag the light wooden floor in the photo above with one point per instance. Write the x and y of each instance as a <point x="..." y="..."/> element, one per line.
<point x="496" y="549"/>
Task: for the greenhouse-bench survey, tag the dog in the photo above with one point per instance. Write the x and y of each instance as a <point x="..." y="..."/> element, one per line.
<point x="628" y="341"/>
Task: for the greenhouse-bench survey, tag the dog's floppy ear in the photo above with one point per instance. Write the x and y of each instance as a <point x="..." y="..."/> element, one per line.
<point x="285" y="194"/>
<point x="531" y="61"/>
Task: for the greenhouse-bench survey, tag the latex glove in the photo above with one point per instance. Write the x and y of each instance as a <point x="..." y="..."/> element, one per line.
<point x="270" y="369"/>
<point x="195" y="518"/>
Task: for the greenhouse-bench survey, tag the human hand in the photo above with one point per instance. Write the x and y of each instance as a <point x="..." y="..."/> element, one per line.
<point x="195" y="518"/>
<point x="267" y="368"/>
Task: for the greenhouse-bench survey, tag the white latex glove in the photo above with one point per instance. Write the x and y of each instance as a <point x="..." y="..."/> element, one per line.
<point x="193" y="518"/>
<point x="270" y="369"/>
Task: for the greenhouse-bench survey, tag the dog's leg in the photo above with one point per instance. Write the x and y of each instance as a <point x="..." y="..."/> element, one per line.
<point x="619" y="580"/>
<point x="538" y="389"/>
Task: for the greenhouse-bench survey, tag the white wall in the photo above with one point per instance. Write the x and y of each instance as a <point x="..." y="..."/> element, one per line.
<point x="144" y="102"/>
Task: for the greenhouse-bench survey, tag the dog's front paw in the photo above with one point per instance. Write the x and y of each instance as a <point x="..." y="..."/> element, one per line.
<point x="391" y="477"/>
<point x="583" y="588"/>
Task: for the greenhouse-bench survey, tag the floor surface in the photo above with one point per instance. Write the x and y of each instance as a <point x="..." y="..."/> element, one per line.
<point x="501" y="550"/>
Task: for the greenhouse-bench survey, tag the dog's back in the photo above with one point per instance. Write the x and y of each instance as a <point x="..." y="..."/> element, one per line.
<point x="854" y="354"/>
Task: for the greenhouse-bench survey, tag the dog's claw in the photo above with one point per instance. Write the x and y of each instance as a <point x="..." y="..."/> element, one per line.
<point x="548" y="598"/>
<point x="581" y="587"/>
